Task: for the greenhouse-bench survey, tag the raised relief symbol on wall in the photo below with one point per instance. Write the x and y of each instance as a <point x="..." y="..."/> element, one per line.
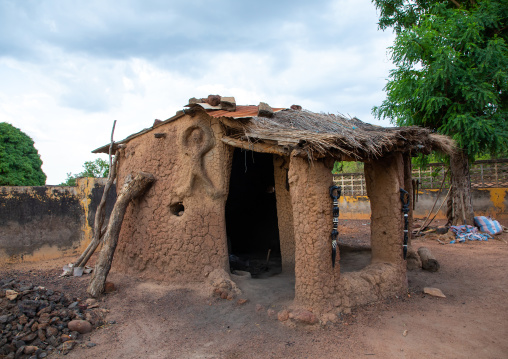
<point x="196" y="141"/>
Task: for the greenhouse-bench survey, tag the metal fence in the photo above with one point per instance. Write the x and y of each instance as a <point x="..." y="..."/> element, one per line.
<point x="484" y="174"/>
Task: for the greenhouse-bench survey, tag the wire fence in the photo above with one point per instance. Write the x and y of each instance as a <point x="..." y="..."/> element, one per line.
<point x="484" y="174"/>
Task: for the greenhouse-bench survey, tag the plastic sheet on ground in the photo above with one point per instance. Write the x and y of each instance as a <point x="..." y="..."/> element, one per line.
<point x="469" y="233"/>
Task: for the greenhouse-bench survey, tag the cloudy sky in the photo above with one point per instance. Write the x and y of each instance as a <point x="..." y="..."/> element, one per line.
<point x="69" y="68"/>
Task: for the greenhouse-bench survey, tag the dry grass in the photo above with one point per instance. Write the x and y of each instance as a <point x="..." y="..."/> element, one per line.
<point x="321" y="135"/>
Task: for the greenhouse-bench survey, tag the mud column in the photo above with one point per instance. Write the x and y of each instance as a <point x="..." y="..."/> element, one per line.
<point x="312" y="214"/>
<point x="384" y="177"/>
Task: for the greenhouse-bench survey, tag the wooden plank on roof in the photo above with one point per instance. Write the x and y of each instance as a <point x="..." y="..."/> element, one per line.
<point x="257" y="147"/>
<point x="281" y="140"/>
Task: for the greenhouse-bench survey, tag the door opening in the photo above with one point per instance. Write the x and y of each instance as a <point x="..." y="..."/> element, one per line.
<point x="251" y="215"/>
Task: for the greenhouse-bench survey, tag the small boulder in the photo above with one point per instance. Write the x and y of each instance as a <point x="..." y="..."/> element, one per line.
<point x="30" y="349"/>
<point x="51" y="331"/>
<point x="29" y="337"/>
<point x="91" y="303"/>
<point x="304" y="316"/>
<point x="109" y="287"/>
<point x="283" y="315"/>
<point x="65" y="338"/>
<point x="11" y="294"/>
<point x="435" y="292"/>
<point x="80" y="326"/>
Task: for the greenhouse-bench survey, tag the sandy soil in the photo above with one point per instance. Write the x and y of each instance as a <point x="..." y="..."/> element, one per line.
<point x="156" y="320"/>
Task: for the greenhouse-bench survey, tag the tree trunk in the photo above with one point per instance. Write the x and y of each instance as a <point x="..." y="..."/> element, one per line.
<point x="461" y="205"/>
<point x="130" y="190"/>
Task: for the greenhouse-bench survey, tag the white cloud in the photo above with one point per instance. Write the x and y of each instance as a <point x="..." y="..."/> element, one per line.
<point x="67" y="79"/>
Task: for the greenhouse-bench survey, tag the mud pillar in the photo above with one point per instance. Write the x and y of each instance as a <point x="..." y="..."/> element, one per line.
<point x="312" y="215"/>
<point x="384" y="177"/>
<point x="284" y="213"/>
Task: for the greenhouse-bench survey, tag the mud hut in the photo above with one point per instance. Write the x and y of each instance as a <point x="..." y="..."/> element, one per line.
<point x="234" y="179"/>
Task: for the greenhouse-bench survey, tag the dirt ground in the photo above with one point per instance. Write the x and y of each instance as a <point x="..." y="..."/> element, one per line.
<point x="156" y="320"/>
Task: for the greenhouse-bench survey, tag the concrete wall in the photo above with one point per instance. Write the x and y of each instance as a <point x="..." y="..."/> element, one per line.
<point x="486" y="202"/>
<point x="38" y="223"/>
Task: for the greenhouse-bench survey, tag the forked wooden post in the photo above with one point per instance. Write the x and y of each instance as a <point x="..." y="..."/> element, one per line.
<point x="130" y="191"/>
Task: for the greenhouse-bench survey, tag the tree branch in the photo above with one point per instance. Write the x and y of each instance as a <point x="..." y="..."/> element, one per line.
<point x="456" y="4"/>
<point x="130" y="191"/>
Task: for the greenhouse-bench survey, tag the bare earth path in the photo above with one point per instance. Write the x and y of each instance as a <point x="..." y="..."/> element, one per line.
<point x="155" y="320"/>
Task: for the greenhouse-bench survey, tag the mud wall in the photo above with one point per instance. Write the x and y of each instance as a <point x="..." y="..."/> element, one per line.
<point x="385" y="275"/>
<point x="176" y="230"/>
<point x="45" y="222"/>
<point x="284" y="213"/>
<point x="317" y="283"/>
<point x="486" y="202"/>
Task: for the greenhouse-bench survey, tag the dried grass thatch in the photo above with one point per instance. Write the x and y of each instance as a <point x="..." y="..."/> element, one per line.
<point x="327" y="135"/>
<point x="313" y="135"/>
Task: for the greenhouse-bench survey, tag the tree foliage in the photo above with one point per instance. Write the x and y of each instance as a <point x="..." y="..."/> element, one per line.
<point x="96" y="168"/>
<point x="347" y="167"/>
<point x="452" y="70"/>
<point x="20" y="163"/>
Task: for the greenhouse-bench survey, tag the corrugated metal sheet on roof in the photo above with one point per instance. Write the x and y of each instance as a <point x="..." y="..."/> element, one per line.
<point x="241" y="111"/>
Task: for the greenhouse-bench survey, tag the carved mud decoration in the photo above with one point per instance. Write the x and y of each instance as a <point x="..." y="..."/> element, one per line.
<point x="196" y="141"/>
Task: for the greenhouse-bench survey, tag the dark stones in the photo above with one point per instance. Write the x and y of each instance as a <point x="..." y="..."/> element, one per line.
<point x="28" y="307"/>
<point x="34" y="321"/>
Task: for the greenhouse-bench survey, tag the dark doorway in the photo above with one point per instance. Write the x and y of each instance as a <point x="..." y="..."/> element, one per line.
<point x="251" y="215"/>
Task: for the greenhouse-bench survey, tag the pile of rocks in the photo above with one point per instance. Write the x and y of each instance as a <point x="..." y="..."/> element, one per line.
<point x="36" y="321"/>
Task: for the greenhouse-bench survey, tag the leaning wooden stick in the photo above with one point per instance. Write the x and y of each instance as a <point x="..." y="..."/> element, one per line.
<point x="99" y="229"/>
<point x="130" y="191"/>
<point x="100" y="214"/>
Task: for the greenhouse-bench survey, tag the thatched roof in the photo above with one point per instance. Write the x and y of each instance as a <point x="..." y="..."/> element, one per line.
<point x="314" y="135"/>
<point x="317" y="135"/>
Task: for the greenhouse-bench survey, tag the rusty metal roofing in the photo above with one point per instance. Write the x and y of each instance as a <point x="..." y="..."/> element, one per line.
<point x="241" y="111"/>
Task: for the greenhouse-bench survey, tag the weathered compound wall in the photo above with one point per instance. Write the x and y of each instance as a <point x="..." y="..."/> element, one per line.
<point x="44" y="222"/>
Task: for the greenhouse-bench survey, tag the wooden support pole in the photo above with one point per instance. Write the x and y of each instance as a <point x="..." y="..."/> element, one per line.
<point x="100" y="213"/>
<point x="130" y="191"/>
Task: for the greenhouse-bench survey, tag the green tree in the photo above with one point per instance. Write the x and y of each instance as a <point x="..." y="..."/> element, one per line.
<point x="347" y="167"/>
<point x="96" y="168"/>
<point x="451" y="76"/>
<point x="20" y="163"/>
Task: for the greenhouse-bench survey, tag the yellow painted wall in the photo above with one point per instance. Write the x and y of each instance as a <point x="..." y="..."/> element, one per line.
<point x="486" y="202"/>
